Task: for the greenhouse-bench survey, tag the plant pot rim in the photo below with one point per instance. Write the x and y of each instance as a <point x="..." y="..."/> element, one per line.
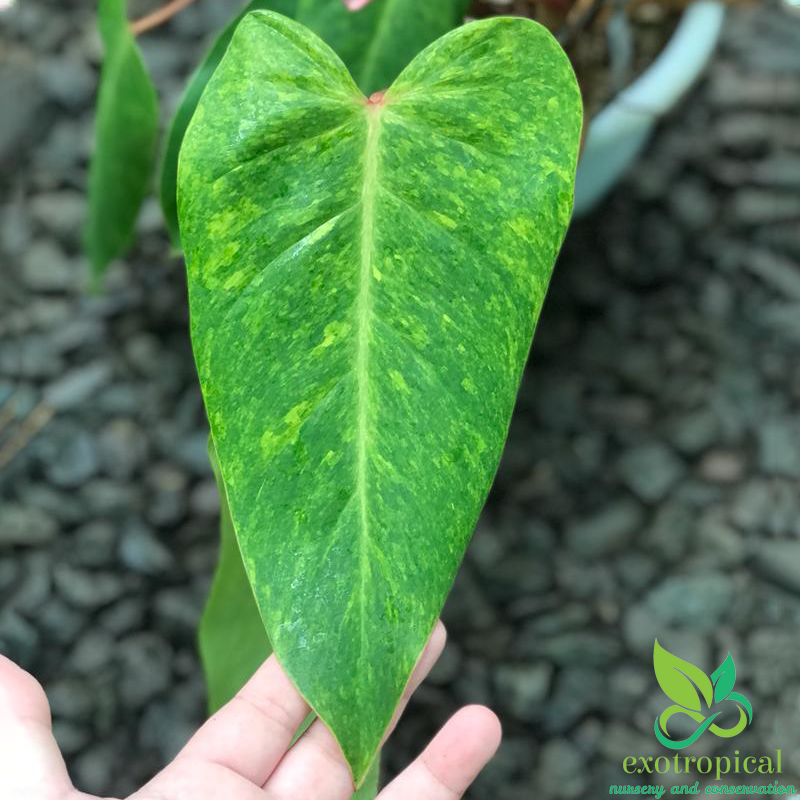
<point x="619" y="130"/>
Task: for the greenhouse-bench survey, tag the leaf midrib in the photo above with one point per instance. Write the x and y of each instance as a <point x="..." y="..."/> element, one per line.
<point x="363" y="315"/>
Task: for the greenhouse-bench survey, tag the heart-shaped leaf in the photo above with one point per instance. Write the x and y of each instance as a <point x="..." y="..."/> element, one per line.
<point x="364" y="283"/>
<point x="375" y="44"/>
<point x="680" y="680"/>
<point x="724" y="679"/>
<point x="125" y="137"/>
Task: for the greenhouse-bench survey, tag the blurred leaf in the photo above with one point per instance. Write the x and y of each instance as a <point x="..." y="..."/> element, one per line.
<point x="724" y="678"/>
<point x="125" y="136"/>
<point x="378" y="41"/>
<point x="680" y="680"/>
<point x="364" y="283"/>
<point x="233" y="643"/>
<point x="375" y="43"/>
<point x="183" y="116"/>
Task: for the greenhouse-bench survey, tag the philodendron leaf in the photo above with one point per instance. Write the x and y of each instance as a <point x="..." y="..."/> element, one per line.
<point x="233" y="643"/>
<point x="724" y="679"/>
<point x="183" y="115"/>
<point x="680" y="680"/>
<point x="375" y="44"/>
<point x="125" y="138"/>
<point x="364" y="282"/>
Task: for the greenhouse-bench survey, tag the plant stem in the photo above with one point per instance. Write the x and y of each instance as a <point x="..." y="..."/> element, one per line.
<point x="159" y="16"/>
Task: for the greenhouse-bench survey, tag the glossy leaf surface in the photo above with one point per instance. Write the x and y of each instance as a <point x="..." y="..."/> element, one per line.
<point x="375" y="43"/>
<point x="125" y="138"/>
<point x="233" y="643"/>
<point x="364" y="284"/>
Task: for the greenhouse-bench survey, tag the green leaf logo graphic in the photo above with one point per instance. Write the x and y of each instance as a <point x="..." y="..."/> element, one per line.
<point x="685" y="684"/>
<point x="681" y="680"/>
<point x="724" y="677"/>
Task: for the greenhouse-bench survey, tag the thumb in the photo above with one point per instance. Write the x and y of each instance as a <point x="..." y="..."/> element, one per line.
<point x="31" y="766"/>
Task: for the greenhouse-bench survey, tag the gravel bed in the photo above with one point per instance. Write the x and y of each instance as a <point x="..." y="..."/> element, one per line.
<point x="649" y="487"/>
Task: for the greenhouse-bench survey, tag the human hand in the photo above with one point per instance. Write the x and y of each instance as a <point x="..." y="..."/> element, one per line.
<point x="242" y="752"/>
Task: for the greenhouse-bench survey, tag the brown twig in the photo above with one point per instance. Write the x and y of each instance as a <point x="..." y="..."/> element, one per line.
<point x="8" y="412"/>
<point x="159" y="16"/>
<point x="30" y="426"/>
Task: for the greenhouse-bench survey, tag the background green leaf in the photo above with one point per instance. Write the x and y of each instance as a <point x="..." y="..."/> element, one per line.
<point x="125" y="139"/>
<point x="364" y="285"/>
<point x="233" y="643"/>
<point x="376" y="43"/>
<point x="183" y="115"/>
<point x="680" y="680"/>
<point x="724" y="679"/>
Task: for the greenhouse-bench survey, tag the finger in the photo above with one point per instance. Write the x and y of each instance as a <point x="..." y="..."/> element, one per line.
<point x="452" y="761"/>
<point x="30" y="761"/>
<point x="250" y="734"/>
<point x="315" y="766"/>
<point x="355" y="5"/>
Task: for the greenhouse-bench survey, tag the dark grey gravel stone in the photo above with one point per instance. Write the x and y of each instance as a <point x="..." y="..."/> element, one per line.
<point x="45" y="268"/>
<point x="124" y="616"/>
<point x="70" y="698"/>
<point x="62" y="211"/>
<point x="19" y="639"/>
<point x="77" y="386"/>
<point x="178" y="611"/>
<point x="141" y="551"/>
<point x="123" y="449"/>
<point x="146" y="668"/>
<point x="651" y="470"/>
<point x="447" y="668"/>
<point x="779" y="562"/>
<point x="94" y="544"/>
<point x="25" y="525"/>
<point x="699" y="602"/>
<point x="71" y="736"/>
<point x="74" y="462"/>
<point x="561" y="772"/>
<point x="522" y="688"/>
<point x="204" y="499"/>
<point x="779" y="448"/>
<point x="84" y="589"/>
<point x="20" y="89"/>
<point x="606" y="530"/>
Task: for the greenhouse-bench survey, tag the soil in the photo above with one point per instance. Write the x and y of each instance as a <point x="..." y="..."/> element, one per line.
<point x="608" y="49"/>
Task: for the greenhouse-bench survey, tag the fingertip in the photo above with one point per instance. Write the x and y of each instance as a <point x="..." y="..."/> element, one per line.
<point x="21" y="695"/>
<point x="483" y="720"/>
<point x="463" y="747"/>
